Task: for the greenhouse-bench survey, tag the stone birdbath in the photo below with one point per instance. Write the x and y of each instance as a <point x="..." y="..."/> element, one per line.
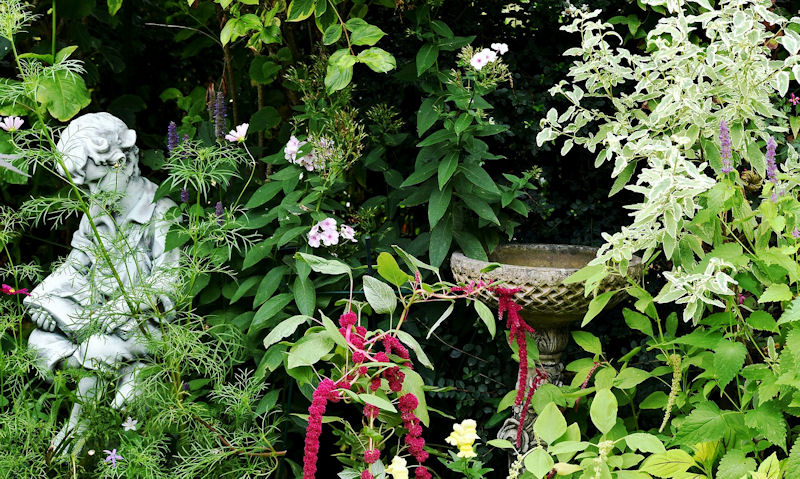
<point x="548" y="305"/>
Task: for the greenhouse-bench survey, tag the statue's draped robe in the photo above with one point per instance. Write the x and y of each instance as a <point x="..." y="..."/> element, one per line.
<point x="82" y="294"/>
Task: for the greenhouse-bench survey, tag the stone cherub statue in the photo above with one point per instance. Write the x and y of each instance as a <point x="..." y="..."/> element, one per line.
<point x="90" y="312"/>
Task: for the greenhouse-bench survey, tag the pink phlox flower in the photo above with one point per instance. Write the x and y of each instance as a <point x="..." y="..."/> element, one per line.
<point x="291" y="148"/>
<point x="328" y="224"/>
<point x="347" y="233"/>
<point x="500" y="48"/>
<point x="113" y="457"/>
<point x="12" y="291"/>
<point x="238" y="134"/>
<point x="11" y="123"/>
<point x="314" y="239"/>
<point x="330" y="238"/>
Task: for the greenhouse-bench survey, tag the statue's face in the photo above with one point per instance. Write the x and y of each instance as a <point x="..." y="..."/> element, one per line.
<point x="112" y="178"/>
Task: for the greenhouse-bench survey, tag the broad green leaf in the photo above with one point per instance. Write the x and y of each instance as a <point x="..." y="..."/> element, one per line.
<point x="596" y="306"/>
<point x="550" y="424"/>
<point x="479" y="177"/>
<point x="340" y="70"/>
<point x="415" y="385"/>
<point x="366" y="35"/>
<point x="587" y="341"/>
<point x="284" y="329"/>
<point x="333" y="331"/>
<point x="378" y="402"/>
<point x="114" y="6"/>
<point x="269" y="309"/>
<point x="412" y="343"/>
<point x="390" y="270"/>
<point x="603" y="410"/>
<point x="771" y="467"/>
<point x="638" y="321"/>
<point x="735" y="465"/>
<point x="244" y="288"/>
<point x="269" y="284"/>
<point x="264" y="194"/>
<point x="426" y="57"/>
<point x="470" y="245"/>
<point x="538" y="462"/>
<point x="377" y="59"/>
<point x="763" y="321"/>
<point x="481" y="207"/>
<point x="729" y="358"/>
<point x="332" y="34"/>
<point x="630" y="377"/>
<point x="379" y="295"/>
<point x="500" y="443"/>
<point x="446" y="168"/>
<point x="668" y="464"/>
<point x="426" y="116"/>
<point x="322" y="265"/>
<point x="792" y="313"/>
<point x="63" y="93"/>
<point x="776" y="292"/>
<point x="305" y="295"/>
<point x="486" y="316"/>
<point x="793" y="464"/>
<point x="768" y="419"/>
<point x="644" y="442"/>
<point x="299" y="10"/>
<point x="708" y="423"/>
<point x="309" y="350"/>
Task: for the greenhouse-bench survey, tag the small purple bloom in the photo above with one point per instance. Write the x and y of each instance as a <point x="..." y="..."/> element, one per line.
<point x="172" y="136"/>
<point x="220" y="113"/>
<point x="740" y="297"/>
<point x="725" y="147"/>
<point x="772" y="168"/>
<point x="185" y="139"/>
<point x="794" y="100"/>
<point x="113" y="457"/>
<point x="184" y="195"/>
<point x="795" y="233"/>
<point x="219" y="211"/>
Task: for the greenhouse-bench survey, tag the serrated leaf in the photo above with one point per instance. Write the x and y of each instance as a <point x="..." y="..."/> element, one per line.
<point x="708" y="423"/>
<point x="729" y="358"/>
<point x="792" y="313"/>
<point x="735" y="465"/>
<point x="769" y="421"/>
<point x="776" y="292"/>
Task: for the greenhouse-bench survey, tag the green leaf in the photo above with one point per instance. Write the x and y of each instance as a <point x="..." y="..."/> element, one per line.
<point x="284" y="329"/>
<point x="340" y="70"/>
<point x="265" y="119"/>
<point x="729" y="358"/>
<point x="486" y="316"/>
<point x="763" y="321"/>
<point x="244" y="288"/>
<point x="668" y="464"/>
<point x="264" y="194"/>
<point x="415" y="385"/>
<point x="63" y="93"/>
<point x="437" y="136"/>
<point x="638" y="321"/>
<point x="377" y="59"/>
<point x="550" y="424"/>
<point x="708" y="423"/>
<point x="299" y="10"/>
<point x="776" y="292"/>
<point x="113" y="6"/>
<point x="390" y="270"/>
<point x="426" y="57"/>
<point x="438" y="204"/>
<point x="332" y="34"/>
<point x="792" y="313"/>
<point x="793" y="464"/>
<point x="412" y="343"/>
<point x="500" y="443"/>
<point x="269" y="309"/>
<point x="735" y="465"/>
<point x="644" y="442"/>
<point x="538" y="462"/>
<point x="305" y="295"/>
<point x="596" y="306"/>
<point x="367" y="35"/>
<point x="447" y="167"/>
<point x="622" y="179"/>
<point x="426" y="116"/>
<point x="471" y="246"/>
<point x="587" y="341"/>
<point x="768" y="419"/>
<point x="630" y="377"/>
<point x="309" y="350"/>
<point x="479" y="177"/>
<point x="481" y="207"/>
<point x="322" y="265"/>
<point x="378" y="402"/>
<point x="333" y="331"/>
<point x="447" y="312"/>
<point x="603" y="410"/>
<point x="269" y="284"/>
<point x="770" y="468"/>
<point x="379" y="295"/>
<point x="440" y="239"/>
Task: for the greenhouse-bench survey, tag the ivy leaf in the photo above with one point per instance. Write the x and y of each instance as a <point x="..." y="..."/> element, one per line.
<point x="63" y="93"/>
<point x="603" y="410"/>
<point x="729" y="358"/>
<point x="769" y="421"/>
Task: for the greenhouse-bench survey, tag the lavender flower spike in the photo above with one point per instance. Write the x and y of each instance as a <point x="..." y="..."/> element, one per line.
<point x="220" y="114"/>
<point x="172" y="136"/>
<point x="725" y="147"/>
<point x="184" y="195"/>
<point x="220" y="212"/>
<point x="772" y="168"/>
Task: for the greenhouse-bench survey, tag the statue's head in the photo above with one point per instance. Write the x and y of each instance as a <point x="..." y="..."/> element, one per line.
<point x="99" y="150"/>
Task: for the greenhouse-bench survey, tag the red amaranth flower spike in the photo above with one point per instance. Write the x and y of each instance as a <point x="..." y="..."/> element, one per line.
<point x="326" y="391"/>
<point x="541" y="377"/>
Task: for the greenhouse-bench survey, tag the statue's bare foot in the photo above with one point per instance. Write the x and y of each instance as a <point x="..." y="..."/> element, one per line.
<point x="43" y="320"/>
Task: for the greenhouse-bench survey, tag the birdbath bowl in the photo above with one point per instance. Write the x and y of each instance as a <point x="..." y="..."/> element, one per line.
<point x="548" y="304"/>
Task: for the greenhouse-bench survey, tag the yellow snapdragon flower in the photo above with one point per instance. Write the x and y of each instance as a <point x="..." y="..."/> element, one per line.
<point x="464" y="436"/>
<point x="398" y="468"/>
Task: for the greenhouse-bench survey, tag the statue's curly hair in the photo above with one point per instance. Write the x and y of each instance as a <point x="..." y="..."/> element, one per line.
<point x="102" y="137"/>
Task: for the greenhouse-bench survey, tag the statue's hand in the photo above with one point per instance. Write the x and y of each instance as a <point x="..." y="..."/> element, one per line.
<point x="43" y="320"/>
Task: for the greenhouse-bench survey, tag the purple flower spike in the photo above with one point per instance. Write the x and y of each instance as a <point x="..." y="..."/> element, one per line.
<point x="220" y="212"/>
<point x="772" y="168"/>
<point x="172" y="136"/>
<point x="184" y="195"/>
<point x="220" y="113"/>
<point x="795" y="233"/>
<point x="725" y="147"/>
<point x="185" y="139"/>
